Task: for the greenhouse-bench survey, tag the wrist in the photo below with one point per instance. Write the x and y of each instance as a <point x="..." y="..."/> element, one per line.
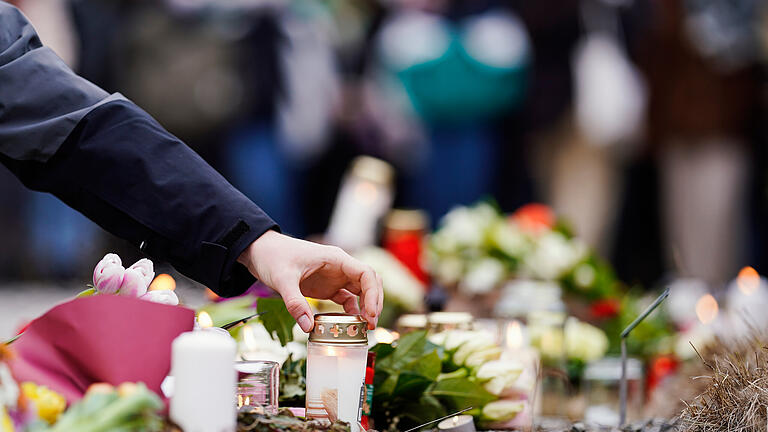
<point x="258" y="248"/>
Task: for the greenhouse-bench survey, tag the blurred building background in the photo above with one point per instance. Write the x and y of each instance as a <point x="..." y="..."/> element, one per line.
<point x="642" y="122"/>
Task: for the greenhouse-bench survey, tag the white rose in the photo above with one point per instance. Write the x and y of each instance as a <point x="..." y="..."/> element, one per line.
<point x="503" y="410"/>
<point x="553" y="256"/>
<point x="449" y="269"/>
<point x="468" y="225"/>
<point x="499" y="375"/>
<point x="584" y="341"/>
<point x="480" y="341"/>
<point x="483" y="356"/>
<point x="452" y="339"/>
<point x="508" y="237"/>
<point x="483" y="276"/>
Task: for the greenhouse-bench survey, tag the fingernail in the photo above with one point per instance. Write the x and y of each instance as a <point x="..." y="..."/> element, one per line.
<point x="305" y="323"/>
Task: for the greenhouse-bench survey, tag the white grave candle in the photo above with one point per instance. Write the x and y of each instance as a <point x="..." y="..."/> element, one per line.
<point x="336" y="357"/>
<point x="204" y="382"/>
<point x="459" y="423"/>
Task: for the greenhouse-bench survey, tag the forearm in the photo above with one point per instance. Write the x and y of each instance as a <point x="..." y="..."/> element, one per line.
<point x="124" y="171"/>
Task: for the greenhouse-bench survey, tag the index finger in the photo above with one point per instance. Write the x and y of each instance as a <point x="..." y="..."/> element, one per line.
<point x="365" y="278"/>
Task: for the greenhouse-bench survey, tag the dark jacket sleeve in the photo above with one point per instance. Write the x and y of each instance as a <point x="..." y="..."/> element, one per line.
<point x="120" y="168"/>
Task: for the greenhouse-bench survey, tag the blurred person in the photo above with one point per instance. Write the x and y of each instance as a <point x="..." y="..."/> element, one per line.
<point x="700" y="58"/>
<point x="106" y="157"/>
<point x="443" y="75"/>
<point x="252" y="100"/>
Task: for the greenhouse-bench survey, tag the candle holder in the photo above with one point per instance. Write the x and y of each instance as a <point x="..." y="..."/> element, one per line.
<point x="336" y="357"/>
<point x="257" y="386"/>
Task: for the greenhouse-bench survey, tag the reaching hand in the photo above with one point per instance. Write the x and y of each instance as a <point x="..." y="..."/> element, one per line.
<point x="297" y="268"/>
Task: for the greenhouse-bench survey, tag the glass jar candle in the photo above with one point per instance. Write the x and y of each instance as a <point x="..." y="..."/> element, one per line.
<point x="257" y="386"/>
<point x="336" y="357"/>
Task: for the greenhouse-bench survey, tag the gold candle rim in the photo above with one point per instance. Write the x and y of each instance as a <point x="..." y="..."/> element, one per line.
<point x="339" y="328"/>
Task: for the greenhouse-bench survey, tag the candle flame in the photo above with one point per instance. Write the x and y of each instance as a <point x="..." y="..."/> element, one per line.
<point x="204" y="320"/>
<point x="249" y="338"/>
<point x="163" y="282"/>
<point x="330" y="351"/>
<point x="514" y="335"/>
<point x="455" y="420"/>
<point x="706" y="308"/>
<point x="748" y="280"/>
<point x="385" y="336"/>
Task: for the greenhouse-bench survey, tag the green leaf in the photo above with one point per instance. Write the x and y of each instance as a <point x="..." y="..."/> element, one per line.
<point x="458" y="373"/>
<point x="387" y="386"/>
<point x="410" y="386"/>
<point x="382" y="351"/>
<point x="427" y="366"/>
<point x="461" y="393"/>
<point x="409" y="348"/>
<point x="86" y="292"/>
<point x="426" y="409"/>
<point x="278" y="321"/>
<point x="229" y="310"/>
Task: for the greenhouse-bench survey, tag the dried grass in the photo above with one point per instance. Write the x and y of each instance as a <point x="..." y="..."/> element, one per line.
<point x="736" y="396"/>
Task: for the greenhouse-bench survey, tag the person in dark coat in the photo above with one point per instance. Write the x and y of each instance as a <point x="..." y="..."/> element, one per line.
<point x="104" y="156"/>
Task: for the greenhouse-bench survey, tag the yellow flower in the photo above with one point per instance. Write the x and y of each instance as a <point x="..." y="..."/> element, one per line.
<point x="5" y="421"/>
<point x="48" y="403"/>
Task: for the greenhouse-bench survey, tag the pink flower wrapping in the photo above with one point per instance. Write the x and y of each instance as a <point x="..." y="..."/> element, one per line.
<point x="110" y="339"/>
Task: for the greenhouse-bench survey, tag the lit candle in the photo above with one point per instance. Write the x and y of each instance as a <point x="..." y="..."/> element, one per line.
<point x="204" y="382"/>
<point x="517" y="347"/>
<point x="205" y="322"/>
<point x="336" y="357"/>
<point x="460" y="423"/>
<point x="364" y="198"/>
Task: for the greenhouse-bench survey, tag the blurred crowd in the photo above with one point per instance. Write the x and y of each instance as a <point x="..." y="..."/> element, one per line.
<point x="640" y="121"/>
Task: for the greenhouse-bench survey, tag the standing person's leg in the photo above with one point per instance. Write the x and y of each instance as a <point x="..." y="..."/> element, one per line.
<point x="704" y="208"/>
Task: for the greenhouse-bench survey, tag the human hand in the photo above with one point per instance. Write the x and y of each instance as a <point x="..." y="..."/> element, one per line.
<point x="298" y="268"/>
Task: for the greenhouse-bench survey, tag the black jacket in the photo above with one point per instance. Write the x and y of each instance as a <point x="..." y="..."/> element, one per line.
<point x="110" y="160"/>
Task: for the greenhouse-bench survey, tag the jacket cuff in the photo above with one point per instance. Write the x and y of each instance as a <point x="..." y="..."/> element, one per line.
<point x="235" y="277"/>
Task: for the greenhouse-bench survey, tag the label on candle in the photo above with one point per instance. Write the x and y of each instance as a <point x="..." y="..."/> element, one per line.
<point x="363" y="392"/>
<point x="368" y="403"/>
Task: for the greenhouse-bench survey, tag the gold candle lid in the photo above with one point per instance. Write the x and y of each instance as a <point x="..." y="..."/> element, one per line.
<point x="339" y="328"/>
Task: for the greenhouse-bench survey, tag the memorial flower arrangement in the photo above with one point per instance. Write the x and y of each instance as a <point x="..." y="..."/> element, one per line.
<point x="477" y="248"/>
<point x="420" y="378"/>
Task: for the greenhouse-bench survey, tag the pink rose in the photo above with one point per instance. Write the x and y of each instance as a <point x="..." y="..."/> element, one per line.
<point x="162" y="296"/>
<point x="145" y="267"/>
<point x="108" y="274"/>
<point x="134" y="283"/>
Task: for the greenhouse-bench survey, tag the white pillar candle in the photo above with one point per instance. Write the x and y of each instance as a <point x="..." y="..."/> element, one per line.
<point x="204" y="382"/>
<point x="459" y="423"/>
<point x="364" y="198"/>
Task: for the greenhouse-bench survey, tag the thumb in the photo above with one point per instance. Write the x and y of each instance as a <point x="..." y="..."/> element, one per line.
<point x="297" y="306"/>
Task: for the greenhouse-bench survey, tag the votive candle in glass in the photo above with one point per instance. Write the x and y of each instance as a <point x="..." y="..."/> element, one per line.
<point x="336" y="357"/>
<point x="257" y="386"/>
